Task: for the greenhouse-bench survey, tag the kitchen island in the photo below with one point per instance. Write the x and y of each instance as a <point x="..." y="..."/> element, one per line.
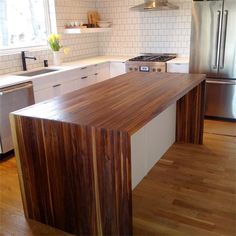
<point x="78" y="154"/>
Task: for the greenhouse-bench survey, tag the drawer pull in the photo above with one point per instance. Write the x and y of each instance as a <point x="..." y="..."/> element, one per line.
<point x="96" y="74"/>
<point x="84" y="77"/>
<point x="83" y="68"/>
<point x="56" y="85"/>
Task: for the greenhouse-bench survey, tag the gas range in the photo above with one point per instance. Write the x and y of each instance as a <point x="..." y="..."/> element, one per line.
<point x="149" y="62"/>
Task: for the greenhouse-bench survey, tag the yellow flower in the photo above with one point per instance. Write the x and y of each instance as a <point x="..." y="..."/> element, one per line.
<point x="66" y="50"/>
<point x="54" y="42"/>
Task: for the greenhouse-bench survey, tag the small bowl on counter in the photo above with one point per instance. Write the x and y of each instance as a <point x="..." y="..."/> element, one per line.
<point x="104" y="24"/>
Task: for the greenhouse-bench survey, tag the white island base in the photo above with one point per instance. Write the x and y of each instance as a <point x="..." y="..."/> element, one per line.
<point x="151" y="142"/>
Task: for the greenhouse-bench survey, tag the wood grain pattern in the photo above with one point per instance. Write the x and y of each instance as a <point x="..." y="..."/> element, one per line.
<point x="74" y="151"/>
<point x="190" y="116"/>
<point x="220" y="127"/>
<point x="192" y="190"/>
<point x="75" y="178"/>
<point x="196" y="182"/>
<point x="125" y="103"/>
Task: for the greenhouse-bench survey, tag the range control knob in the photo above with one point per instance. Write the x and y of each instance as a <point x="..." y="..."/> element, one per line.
<point x="135" y="68"/>
<point x="159" y="70"/>
<point x="130" y="68"/>
<point x="154" y="70"/>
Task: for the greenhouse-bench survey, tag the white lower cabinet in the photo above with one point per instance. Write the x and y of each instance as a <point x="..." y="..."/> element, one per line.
<point x="43" y="94"/>
<point x="58" y="89"/>
<point x="51" y="86"/>
<point x="178" y="67"/>
<point x="117" y="68"/>
<point x="86" y="80"/>
<point x="68" y="87"/>
<point x="87" y="76"/>
<point x="88" y="70"/>
<point x="103" y="72"/>
<point x="47" y="93"/>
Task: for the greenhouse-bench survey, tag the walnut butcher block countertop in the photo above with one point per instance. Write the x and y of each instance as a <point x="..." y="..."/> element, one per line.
<point x="74" y="151"/>
<point x="125" y="103"/>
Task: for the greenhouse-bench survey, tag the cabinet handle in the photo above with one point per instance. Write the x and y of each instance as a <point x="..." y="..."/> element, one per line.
<point x="84" y="77"/>
<point x="96" y="74"/>
<point x="83" y="68"/>
<point x="56" y="85"/>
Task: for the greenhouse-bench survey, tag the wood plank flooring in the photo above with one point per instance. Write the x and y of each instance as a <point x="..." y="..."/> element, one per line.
<point x="220" y="127"/>
<point x="191" y="191"/>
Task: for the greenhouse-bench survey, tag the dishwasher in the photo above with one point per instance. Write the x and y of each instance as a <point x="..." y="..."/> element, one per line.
<point x="12" y="98"/>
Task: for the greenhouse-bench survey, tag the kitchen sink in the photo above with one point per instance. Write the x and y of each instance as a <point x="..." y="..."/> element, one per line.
<point x="37" y="72"/>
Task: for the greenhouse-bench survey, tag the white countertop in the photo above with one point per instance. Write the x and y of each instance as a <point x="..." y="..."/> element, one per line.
<point x="181" y="60"/>
<point x="13" y="79"/>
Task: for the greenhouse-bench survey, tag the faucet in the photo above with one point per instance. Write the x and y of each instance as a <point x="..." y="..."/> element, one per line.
<point x="23" y="57"/>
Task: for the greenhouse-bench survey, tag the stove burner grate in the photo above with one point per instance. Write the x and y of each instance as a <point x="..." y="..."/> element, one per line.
<point x="153" y="58"/>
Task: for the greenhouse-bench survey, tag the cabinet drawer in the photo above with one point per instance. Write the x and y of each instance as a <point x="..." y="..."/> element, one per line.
<point x="55" y="90"/>
<point x="54" y="79"/>
<point x="178" y="67"/>
<point x="103" y="72"/>
<point x="85" y="81"/>
<point x="44" y="82"/>
<point x="88" y="70"/>
<point x="44" y="94"/>
<point x="117" y="68"/>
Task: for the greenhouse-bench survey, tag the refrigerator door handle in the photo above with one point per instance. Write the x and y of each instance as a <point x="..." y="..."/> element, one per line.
<point x="217" y="46"/>
<point x="222" y="56"/>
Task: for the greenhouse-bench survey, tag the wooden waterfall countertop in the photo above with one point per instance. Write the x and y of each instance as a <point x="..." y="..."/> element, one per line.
<point x="74" y="151"/>
<point x="125" y="103"/>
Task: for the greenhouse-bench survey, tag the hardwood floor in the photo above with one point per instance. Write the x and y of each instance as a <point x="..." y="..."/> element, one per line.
<point x="191" y="191"/>
<point x="220" y="127"/>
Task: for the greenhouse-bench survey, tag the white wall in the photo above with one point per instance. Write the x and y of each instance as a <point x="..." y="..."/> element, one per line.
<point x="137" y="32"/>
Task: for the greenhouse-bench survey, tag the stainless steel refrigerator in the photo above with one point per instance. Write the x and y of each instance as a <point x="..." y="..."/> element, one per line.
<point x="213" y="52"/>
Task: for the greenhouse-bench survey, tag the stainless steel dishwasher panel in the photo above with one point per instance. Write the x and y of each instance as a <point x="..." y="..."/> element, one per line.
<point x="11" y="99"/>
<point x="221" y="98"/>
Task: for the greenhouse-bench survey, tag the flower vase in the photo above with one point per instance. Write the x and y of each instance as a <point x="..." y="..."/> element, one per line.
<point x="57" y="60"/>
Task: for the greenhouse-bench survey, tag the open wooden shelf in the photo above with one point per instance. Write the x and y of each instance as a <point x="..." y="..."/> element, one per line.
<point x="86" y="30"/>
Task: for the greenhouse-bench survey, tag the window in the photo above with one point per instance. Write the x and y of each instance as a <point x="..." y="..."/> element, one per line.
<point x="24" y="23"/>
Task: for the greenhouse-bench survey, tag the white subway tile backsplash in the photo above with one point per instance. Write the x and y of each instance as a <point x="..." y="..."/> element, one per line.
<point x="150" y="32"/>
<point x="133" y="32"/>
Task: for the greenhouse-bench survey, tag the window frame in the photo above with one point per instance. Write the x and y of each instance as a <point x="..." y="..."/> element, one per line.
<point x="50" y="23"/>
